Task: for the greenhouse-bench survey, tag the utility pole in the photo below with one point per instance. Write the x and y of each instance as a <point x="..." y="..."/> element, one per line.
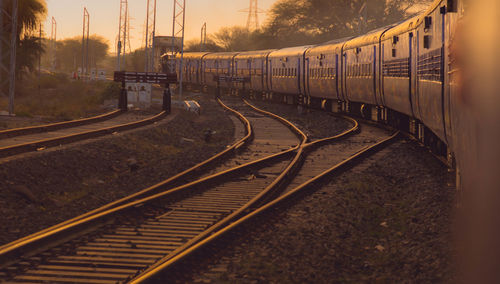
<point x="150" y="36"/>
<point x="253" y="15"/>
<point x="122" y="32"/>
<point x="85" y="42"/>
<point x="53" y="42"/>
<point x="8" y="49"/>
<point x="40" y="59"/>
<point x="178" y="29"/>
<point x="203" y="41"/>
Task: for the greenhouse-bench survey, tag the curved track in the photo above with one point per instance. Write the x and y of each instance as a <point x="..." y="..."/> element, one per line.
<point x="325" y="157"/>
<point x="114" y="245"/>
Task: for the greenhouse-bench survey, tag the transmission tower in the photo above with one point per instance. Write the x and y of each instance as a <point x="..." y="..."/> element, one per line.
<point x="203" y="41"/>
<point x="53" y="47"/>
<point x="85" y="42"/>
<point x="122" y="34"/>
<point x="150" y="36"/>
<point x="129" y="27"/>
<point x="253" y="15"/>
<point x="178" y="30"/>
<point x="8" y="45"/>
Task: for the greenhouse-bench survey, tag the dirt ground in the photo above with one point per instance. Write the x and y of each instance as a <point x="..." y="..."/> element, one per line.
<point x="316" y="124"/>
<point x="388" y="220"/>
<point x="43" y="189"/>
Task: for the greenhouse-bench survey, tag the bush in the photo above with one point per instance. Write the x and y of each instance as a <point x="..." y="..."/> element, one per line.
<point x="62" y="98"/>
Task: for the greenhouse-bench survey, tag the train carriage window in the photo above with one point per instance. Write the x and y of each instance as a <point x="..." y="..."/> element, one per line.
<point x="428" y="23"/>
<point x="427" y="41"/>
<point x="452" y="6"/>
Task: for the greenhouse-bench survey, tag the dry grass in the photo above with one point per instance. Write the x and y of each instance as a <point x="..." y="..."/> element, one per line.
<point x="60" y="98"/>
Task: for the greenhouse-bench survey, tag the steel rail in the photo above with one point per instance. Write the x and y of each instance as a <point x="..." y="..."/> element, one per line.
<point x="150" y="274"/>
<point x="41" y="242"/>
<point x="9" y="133"/>
<point x="149" y="190"/>
<point x="277" y="181"/>
<point x="56" y="141"/>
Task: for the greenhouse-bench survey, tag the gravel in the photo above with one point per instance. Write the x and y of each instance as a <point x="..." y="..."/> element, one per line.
<point x="43" y="189"/>
<point x="387" y="220"/>
<point x="316" y="124"/>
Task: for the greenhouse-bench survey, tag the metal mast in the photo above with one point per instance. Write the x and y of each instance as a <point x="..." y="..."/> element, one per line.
<point x="253" y="15"/>
<point x="203" y="41"/>
<point x="178" y="30"/>
<point x="85" y="42"/>
<point x="150" y="36"/>
<point x="8" y="46"/>
<point x="122" y="33"/>
<point x="53" y="40"/>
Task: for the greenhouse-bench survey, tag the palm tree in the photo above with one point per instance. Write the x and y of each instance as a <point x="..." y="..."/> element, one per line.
<point x="30" y="14"/>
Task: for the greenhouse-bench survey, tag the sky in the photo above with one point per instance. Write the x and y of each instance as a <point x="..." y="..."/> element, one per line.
<point x="104" y="17"/>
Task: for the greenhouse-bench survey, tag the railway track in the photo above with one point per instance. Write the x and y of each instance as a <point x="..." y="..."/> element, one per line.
<point x="29" y="139"/>
<point x="114" y="245"/>
<point x="143" y="239"/>
<point x="323" y="159"/>
<point x="56" y="126"/>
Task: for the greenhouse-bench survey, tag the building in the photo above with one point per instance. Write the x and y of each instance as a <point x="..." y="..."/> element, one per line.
<point x="163" y="44"/>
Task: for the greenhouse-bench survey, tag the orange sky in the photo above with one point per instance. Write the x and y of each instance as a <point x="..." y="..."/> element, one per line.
<point x="104" y="17"/>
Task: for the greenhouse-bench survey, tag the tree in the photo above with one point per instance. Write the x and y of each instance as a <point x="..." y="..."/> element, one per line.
<point x="69" y="53"/>
<point x="210" y="46"/>
<point x="30" y="14"/>
<point x="313" y="21"/>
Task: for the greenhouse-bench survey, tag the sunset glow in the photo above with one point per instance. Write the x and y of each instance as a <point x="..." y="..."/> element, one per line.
<point x="104" y="16"/>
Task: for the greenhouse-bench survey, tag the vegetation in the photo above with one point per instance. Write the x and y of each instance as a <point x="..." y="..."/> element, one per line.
<point x="60" y="97"/>
<point x="69" y="53"/>
<point x="30" y="14"/>
<point x="299" y="22"/>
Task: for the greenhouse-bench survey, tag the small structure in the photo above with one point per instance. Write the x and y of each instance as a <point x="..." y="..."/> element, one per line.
<point x="145" y="78"/>
<point x="139" y="94"/>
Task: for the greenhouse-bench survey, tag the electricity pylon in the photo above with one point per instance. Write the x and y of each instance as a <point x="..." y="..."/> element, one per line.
<point x="53" y="42"/>
<point x="203" y="41"/>
<point x="150" y="36"/>
<point x="8" y="46"/>
<point x="178" y="30"/>
<point x="122" y="34"/>
<point x="253" y="15"/>
<point x="85" y="42"/>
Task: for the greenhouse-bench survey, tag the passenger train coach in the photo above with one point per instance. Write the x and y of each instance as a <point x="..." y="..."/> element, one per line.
<point x="402" y="75"/>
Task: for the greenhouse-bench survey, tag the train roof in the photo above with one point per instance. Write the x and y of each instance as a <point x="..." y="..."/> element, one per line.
<point x="192" y="55"/>
<point x="403" y="27"/>
<point x="221" y="55"/>
<point x="290" y="51"/>
<point x="328" y="46"/>
<point x="369" y="38"/>
<point x="253" y="54"/>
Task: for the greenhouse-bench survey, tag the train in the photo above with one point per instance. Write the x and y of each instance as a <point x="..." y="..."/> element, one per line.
<point x="403" y="75"/>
